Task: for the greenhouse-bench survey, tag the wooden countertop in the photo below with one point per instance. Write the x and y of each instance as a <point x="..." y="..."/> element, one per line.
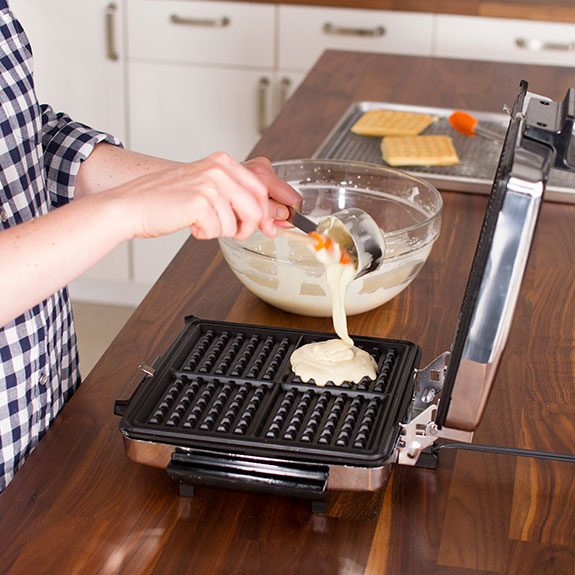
<point x="80" y="506"/>
<point x="550" y="10"/>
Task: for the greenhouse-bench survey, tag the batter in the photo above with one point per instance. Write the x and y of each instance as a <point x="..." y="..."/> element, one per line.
<point x="336" y="360"/>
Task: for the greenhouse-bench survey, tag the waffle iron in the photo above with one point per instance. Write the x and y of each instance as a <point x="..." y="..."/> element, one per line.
<point x="222" y="407"/>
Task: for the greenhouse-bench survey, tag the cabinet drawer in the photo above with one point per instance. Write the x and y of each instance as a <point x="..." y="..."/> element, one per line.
<point x="305" y="32"/>
<point x="505" y="40"/>
<point x="226" y="112"/>
<point x="201" y="32"/>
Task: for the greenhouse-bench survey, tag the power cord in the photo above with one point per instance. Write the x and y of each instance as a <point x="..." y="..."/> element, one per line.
<point x="565" y="457"/>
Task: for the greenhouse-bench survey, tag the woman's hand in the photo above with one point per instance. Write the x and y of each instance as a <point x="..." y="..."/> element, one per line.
<point x="280" y="193"/>
<point x="214" y="197"/>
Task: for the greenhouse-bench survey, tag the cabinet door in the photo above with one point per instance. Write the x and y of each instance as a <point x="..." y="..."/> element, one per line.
<point x="199" y="32"/>
<point x="78" y="63"/>
<point x="151" y="256"/>
<point x="284" y="86"/>
<point x="184" y="113"/>
<point x="305" y="32"/>
<point x="79" y="69"/>
<point x="505" y="40"/>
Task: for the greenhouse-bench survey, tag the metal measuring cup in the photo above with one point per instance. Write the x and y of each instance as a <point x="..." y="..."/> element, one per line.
<point x="355" y="230"/>
<point x="358" y="233"/>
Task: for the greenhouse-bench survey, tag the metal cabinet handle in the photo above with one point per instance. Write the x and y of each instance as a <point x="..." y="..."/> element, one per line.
<point x="334" y="30"/>
<point x="111" y="52"/>
<point x="203" y="22"/>
<point x="263" y="89"/>
<point x="285" y="87"/>
<point x="536" y="45"/>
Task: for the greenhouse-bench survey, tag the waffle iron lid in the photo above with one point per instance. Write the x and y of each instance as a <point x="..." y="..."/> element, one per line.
<point x="539" y="136"/>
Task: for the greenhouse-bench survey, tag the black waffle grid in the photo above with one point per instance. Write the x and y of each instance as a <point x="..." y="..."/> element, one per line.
<point x="234" y="384"/>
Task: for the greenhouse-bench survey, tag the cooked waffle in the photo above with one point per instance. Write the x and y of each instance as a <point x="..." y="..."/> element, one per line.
<point x="392" y="123"/>
<point x="419" y="151"/>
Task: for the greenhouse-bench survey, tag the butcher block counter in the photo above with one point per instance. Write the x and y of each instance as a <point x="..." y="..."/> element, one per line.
<point x="80" y="506"/>
<point x="551" y="10"/>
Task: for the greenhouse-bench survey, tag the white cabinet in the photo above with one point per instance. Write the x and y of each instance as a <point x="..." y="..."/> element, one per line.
<point x="505" y="40"/>
<point x="151" y="256"/>
<point x="199" y="110"/>
<point x="305" y="32"/>
<point x="204" y="84"/>
<point x="200" y="32"/>
<point x="284" y="85"/>
<point x="185" y="112"/>
<point x="78" y="58"/>
<point x="79" y="69"/>
<point x="230" y="116"/>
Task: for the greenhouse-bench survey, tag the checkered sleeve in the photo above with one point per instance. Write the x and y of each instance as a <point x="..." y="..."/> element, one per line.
<point x="66" y="145"/>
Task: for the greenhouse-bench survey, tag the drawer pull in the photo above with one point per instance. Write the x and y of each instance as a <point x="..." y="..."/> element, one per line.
<point x="535" y="45"/>
<point x="203" y="22"/>
<point x="285" y="87"/>
<point x="111" y="52"/>
<point x="334" y="30"/>
<point x="263" y="88"/>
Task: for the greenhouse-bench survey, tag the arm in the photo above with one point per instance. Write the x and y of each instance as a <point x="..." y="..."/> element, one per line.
<point x="110" y="166"/>
<point x="214" y="197"/>
<point x="44" y="254"/>
<point x="122" y="195"/>
<point x="81" y="161"/>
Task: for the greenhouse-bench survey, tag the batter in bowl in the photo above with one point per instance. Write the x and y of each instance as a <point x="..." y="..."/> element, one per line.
<point x="335" y="360"/>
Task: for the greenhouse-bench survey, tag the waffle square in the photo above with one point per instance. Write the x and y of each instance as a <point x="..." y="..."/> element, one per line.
<point x="392" y="123"/>
<point x="419" y="151"/>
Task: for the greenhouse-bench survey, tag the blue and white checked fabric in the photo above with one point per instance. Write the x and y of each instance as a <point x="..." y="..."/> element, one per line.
<point x="40" y="155"/>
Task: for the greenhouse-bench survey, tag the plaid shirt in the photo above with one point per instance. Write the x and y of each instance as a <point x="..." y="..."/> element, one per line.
<point x="40" y="154"/>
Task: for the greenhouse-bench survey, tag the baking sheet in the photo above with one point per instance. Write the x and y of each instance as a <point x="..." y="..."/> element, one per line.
<point x="478" y="156"/>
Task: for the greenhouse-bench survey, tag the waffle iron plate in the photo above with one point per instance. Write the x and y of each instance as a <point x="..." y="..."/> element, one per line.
<point x="230" y="387"/>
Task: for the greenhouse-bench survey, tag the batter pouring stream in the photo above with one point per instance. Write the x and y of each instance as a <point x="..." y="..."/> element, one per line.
<point x="335" y="360"/>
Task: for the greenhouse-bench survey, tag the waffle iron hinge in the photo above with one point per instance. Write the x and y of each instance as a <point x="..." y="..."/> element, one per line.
<point x="421" y="431"/>
<point x="553" y="124"/>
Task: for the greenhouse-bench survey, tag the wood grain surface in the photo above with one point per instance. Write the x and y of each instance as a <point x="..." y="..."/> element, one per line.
<point x="549" y="10"/>
<point x="80" y="506"/>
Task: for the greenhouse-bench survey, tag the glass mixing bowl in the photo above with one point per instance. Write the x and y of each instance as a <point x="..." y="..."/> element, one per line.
<point x="283" y="272"/>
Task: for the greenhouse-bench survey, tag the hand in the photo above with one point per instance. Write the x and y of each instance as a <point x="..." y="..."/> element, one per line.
<point x="215" y="197"/>
<point x="280" y="193"/>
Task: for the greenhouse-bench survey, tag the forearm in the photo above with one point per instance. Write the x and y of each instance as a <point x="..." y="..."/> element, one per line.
<point x="110" y="166"/>
<point x="214" y="197"/>
<point x="43" y="255"/>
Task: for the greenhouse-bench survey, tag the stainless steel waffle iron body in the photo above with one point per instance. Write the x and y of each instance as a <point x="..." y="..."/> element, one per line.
<point x="222" y="406"/>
